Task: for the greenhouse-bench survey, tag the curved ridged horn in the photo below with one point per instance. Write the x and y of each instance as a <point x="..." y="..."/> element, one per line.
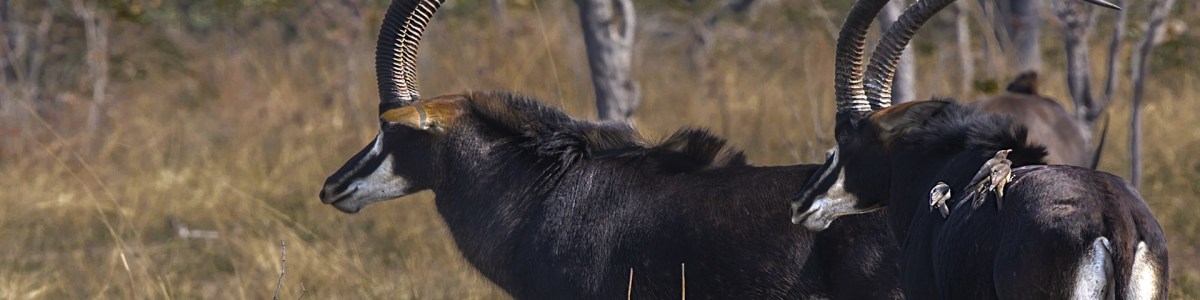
<point x="887" y="53"/>
<point x="396" y="49"/>
<point x="848" y="67"/>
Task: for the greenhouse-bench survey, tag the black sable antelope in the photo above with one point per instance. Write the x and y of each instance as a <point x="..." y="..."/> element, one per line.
<point x="550" y="207"/>
<point x="1063" y="232"/>
<point x="1048" y="122"/>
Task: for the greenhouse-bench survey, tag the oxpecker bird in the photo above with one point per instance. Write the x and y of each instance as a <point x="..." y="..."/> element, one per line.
<point x="994" y="174"/>
<point x="938" y="197"/>
<point x="1001" y="175"/>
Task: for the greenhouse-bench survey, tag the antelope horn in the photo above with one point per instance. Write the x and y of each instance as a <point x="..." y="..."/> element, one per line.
<point x="396" y="50"/>
<point x="887" y="53"/>
<point x="848" y="66"/>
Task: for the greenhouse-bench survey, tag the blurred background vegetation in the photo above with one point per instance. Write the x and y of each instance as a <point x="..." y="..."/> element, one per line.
<point x="164" y="148"/>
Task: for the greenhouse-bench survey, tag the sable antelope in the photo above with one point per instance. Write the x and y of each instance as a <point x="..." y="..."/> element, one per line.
<point x="1064" y="231"/>
<point x="551" y="207"/>
<point x="1048" y="122"/>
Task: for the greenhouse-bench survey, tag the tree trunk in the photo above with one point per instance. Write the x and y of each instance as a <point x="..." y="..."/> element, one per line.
<point x="1025" y="28"/>
<point x="1078" y="19"/>
<point x="499" y="14"/>
<point x="609" y="41"/>
<point x="1114" y="51"/>
<point x="991" y="47"/>
<point x="22" y="56"/>
<point x="1158" y="15"/>
<point x="96" y="34"/>
<point x="966" y="58"/>
<point x="902" y="82"/>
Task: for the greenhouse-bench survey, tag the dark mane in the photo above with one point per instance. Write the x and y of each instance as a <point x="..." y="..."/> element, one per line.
<point x="695" y="149"/>
<point x="1025" y="83"/>
<point x="957" y="128"/>
<point x="549" y="132"/>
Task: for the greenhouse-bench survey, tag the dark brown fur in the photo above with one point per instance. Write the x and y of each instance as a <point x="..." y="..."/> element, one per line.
<point x="1048" y="122"/>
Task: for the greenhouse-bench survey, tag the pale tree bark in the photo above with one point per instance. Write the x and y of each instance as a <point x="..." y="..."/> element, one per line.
<point x="1159" y="10"/>
<point x="95" y="24"/>
<point x="991" y="47"/>
<point x="902" y="82"/>
<point x="966" y="58"/>
<point x="1016" y="25"/>
<point x="608" y="27"/>
<point x="23" y="45"/>
<point x="499" y="13"/>
<point x="1114" y="52"/>
<point x="1024" y="28"/>
<point x="1077" y="19"/>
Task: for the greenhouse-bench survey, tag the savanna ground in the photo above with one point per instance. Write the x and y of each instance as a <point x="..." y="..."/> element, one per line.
<point x="227" y="118"/>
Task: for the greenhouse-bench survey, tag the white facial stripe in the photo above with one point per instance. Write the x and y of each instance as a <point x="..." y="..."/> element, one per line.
<point x="834" y="203"/>
<point x="381" y="184"/>
<point x="831" y="162"/>
<point x="376" y="147"/>
<point x="815" y="181"/>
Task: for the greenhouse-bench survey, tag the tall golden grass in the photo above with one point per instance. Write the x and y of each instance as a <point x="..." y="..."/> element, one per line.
<point x="242" y="144"/>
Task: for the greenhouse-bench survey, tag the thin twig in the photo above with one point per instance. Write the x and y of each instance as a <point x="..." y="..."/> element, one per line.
<point x="549" y="54"/>
<point x="683" y="284"/>
<point x="629" y="292"/>
<point x="121" y="245"/>
<point x="282" y="268"/>
<point x="302" y="291"/>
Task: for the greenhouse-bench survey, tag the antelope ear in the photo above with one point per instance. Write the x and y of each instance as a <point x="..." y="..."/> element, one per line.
<point x="436" y="114"/>
<point x="892" y="121"/>
<point x="414" y="116"/>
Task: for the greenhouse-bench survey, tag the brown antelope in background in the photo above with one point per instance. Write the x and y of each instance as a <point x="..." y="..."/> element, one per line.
<point x="1048" y="122"/>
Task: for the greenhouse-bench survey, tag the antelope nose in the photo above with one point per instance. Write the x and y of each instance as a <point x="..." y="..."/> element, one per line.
<point x="326" y="195"/>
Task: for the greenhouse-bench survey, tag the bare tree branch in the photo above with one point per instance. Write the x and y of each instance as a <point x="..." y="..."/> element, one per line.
<point x="22" y="53"/>
<point x="1140" y="67"/>
<point x="282" y="268"/>
<point x="95" y="23"/>
<point x="1114" y="51"/>
<point x="1077" y="19"/>
<point x="1024" y="28"/>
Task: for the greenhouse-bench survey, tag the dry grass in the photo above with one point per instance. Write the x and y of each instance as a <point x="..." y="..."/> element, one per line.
<point x="241" y="144"/>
